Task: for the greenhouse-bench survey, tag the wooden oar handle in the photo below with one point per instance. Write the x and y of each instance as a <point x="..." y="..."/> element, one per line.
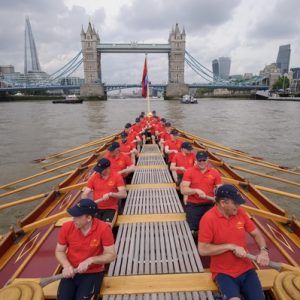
<point x="47" y="280"/>
<point x="272" y="264"/>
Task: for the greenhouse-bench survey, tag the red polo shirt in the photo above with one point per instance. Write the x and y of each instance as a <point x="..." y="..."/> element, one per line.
<point x="183" y="160"/>
<point x="126" y="147"/>
<point x="165" y="136"/>
<point x="132" y="136"/>
<point x="119" y="163"/>
<point x="214" y="228"/>
<point x="81" y="247"/>
<point x="204" y="181"/>
<point x="173" y="145"/>
<point x="101" y="186"/>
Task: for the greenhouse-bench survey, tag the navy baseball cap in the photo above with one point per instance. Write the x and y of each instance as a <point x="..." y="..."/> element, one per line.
<point x="124" y="135"/>
<point x="174" y="132"/>
<point x="229" y="191"/>
<point x="163" y="120"/>
<point x="168" y="124"/>
<point x="137" y="120"/>
<point x="186" y="145"/>
<point x="128" y="125"/>
<point x="113" y="146"/>
<point x="201" y="155"/>
<point x="83" y="207"/>
<point x="102" y="164"/>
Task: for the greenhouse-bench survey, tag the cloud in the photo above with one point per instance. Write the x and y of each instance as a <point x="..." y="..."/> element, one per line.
<point x="279" y="21"/>
<point x="56" y="29"/>
<point x="158" y="15"/>
<point x="249" y="31"/>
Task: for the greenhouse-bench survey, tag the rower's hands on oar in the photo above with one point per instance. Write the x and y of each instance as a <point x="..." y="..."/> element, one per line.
<point x="238" y="251"/>
<point x="84" y="265"/>
<point x="200" y="193"/>
<point x="263" y="258"/>
<point x="68" y="272"/>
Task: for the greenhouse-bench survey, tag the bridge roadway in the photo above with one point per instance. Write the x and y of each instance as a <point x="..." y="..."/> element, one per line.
<point x="111" y="87"/>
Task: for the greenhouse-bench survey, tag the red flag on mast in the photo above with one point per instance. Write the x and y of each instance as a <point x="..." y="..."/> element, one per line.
<point x="145" y="79"/>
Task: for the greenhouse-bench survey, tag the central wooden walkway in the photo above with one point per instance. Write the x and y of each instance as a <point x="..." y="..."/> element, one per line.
<point x="148" y="247"/>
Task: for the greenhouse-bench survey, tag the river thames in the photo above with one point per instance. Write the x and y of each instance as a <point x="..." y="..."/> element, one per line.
<point x="30" y="130"/>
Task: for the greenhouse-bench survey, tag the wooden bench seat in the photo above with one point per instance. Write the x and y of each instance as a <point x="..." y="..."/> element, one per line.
<point x="164" y="286"/>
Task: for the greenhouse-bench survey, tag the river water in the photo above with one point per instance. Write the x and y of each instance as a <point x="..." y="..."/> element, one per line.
<point x="30" y="130"/>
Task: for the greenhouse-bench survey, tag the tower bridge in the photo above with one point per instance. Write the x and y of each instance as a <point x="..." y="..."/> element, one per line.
<point x="91" y="54"/>
<point x="92" y="50"/>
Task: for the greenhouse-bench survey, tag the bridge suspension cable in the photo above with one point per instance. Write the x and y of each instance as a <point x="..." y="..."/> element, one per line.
<point x="196" y="71"/>
<point x="203" y="69"/>
<point x="68" y="66"/>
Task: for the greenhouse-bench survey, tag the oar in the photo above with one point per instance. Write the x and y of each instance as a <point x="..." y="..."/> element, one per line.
<point x="90" y="144"/>
<point x="47" y="280"/>
<point x="279" y="266"/>
<point x="40" y="196"/>
<point x="229" y="150"/>
<point x="26" y="187"/>
<point x="261" y="188"/>
<point x="70" y="157"/>
<point x="257" y="163"/>
<point x="245" y="156"/>
<point x="43" y="222"/>
<point x="264" y="175"/>
<point x="41" y="173"/>
<point x="260" y="212"/>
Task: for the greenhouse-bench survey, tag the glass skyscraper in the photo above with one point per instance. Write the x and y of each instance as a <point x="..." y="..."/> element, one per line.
<point x="224" y="67"/>
<point x="283" y="58"/>
<point x="215" y="68"/>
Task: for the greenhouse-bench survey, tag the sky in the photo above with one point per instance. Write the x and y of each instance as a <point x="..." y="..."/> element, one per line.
<point x="248" y="31"/>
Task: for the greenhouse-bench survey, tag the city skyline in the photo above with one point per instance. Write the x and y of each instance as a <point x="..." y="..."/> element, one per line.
<point x="237" y="29"/>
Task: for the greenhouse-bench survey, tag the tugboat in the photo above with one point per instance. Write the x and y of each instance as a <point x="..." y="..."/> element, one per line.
<point x="69" y="99"/>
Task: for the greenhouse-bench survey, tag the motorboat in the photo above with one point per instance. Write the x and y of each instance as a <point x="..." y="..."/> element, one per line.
<point x="69" y="99"/>
<point x="188" y="99"/>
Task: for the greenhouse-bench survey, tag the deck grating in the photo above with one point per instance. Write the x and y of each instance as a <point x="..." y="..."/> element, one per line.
<point x="152" y="176"/>
<point x="155" y="248"/>
<point x="152" y="201"/>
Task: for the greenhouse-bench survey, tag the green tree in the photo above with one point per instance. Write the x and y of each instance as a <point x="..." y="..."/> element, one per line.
<point x="282" y="83"/>
<point x="201" y="91"/>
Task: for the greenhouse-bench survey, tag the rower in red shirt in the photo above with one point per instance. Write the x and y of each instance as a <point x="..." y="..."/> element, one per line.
<point x="133" y="136"/>
<point x="182" y="161"/>
<point x="173" y="145"/>
<point x="223" y="235"/>
<point x="107" y="187"/>
<point x="86" y="244"/>
<point x="199" y="184"/>
<point x="120" y="162"/>
<point x="127" y="147"/>
<point x="164" y="135"/>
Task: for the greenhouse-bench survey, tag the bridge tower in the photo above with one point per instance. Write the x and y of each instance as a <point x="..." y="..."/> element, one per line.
<point x="176" y="86"/>
<point x="93" y="86"/>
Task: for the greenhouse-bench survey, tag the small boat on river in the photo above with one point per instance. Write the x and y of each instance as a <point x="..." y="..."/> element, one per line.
<point x="188" y="99"/>
<point x="156" y="254"/>
<point x="270" y="95"/>
<point x="69" y="99"/>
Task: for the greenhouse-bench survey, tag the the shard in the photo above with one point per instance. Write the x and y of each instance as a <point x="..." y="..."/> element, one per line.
<point x="31" y="60"/>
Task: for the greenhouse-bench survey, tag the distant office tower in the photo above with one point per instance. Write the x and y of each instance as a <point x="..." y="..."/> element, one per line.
<point x="296" y="73"/>
<point x="31" y="60"/>
<point x="283" y="58"/>
<point x="215" y="68"/>
<point x="224" y="67"/>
